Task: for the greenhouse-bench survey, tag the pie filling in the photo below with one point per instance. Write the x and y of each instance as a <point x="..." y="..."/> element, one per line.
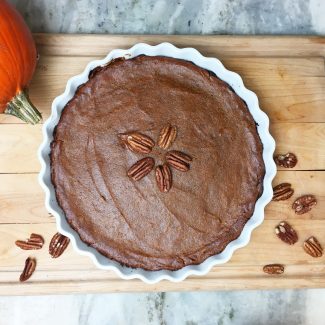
<point x="156" y="163"/>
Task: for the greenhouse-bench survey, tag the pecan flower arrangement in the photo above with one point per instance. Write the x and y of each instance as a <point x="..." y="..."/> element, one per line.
<point x="141" y="143"/>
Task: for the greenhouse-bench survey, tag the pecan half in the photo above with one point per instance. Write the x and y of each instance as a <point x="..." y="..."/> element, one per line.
<point x="288" y="160"/>
<point x="34" y="242"/>
<point x="286" y="233"/>
<point x="137" y="142"/>
<point x="58" y="245"/>
<point x="167" y="136"/>
<point x="282" y="192"/>
<point x="141" y="168"/>
<point x="304" y="204"/>
<point x="164" y="178"/>
<point x="179" y="160"/>
<point x="273" y="268"/>
<point x="30" y="265"/>
<point x="313" y="247"/>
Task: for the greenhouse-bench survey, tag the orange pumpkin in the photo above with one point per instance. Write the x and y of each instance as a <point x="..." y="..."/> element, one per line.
<point x="18" y="57"/>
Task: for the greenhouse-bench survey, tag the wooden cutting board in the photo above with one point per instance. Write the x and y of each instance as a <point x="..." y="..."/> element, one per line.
<point x="288" y="75"/>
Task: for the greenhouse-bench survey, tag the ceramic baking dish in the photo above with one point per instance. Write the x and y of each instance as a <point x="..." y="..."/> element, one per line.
<point x="235" y="81"/>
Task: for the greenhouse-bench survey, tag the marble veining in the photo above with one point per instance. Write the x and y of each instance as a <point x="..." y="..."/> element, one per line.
<point x="290" y="307"/>
<point x="175" y="16"/>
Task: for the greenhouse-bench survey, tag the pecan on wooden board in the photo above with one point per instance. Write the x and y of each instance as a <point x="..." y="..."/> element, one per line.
<point x="273" y="269"/>
<point x="35" y="241"/>
<point x="58" y="245"/>
<point x="288" y="160"/>
<point x="282" y="192"/>
<point x="304" y="204"/>
<point x="30" y="265"/>
<point x="286" y="233"/>
<point x="313" y="247"/>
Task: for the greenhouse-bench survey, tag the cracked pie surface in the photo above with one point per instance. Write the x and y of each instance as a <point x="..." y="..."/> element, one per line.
<point x="156" y="163"/>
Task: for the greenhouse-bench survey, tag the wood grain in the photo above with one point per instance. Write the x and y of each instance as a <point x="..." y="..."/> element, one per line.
<point x="307" y="140"/>
<point x="18" y="148"/>
<point x="290" y="85"/>
<point x="289" y="89"/>
<point x="259" y="251"/>
<point x="303" y="182"/>
<point x="79" y="272"/>
<point x="22" y="199"/>
<point x="288" y="75"/>
<point x="85" y="45"/>
<point x="211" y="282"/>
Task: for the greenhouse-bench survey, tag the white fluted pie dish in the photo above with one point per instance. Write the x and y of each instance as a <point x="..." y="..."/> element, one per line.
<point x="236" y="83"/>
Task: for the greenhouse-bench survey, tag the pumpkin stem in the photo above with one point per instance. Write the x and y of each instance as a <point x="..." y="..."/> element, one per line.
<point x="21" y="107"/>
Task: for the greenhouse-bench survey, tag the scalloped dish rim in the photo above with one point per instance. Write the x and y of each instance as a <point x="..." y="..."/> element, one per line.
<point x="235" y="81"/>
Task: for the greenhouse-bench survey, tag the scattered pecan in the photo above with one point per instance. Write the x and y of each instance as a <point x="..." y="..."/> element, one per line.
<point x="167" y="136"/>
<point x="273" y="269"/>
<point x="58" y="245"/>
<point x="164" y="178"/>
<point x="178" y="160"/>
<point x="34" y="242"/>
<point x="313" y="247"/>
<point x="282" y="192"/>
<point x="30" y="265"/>
<point x="304" y="204"/>
<point x="286" y="233"/>
<point x="137" y="142"/>
<point x="288" y="160"/>
<point x="141" y="168"/>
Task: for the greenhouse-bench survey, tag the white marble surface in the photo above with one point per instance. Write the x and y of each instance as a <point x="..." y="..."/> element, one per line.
<point x="175" y="16"/>
<point x="207" y="308"/>
<point x="305" y="307"/>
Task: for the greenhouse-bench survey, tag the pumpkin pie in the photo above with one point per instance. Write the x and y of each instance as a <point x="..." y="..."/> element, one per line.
<point x="156" y="163"/>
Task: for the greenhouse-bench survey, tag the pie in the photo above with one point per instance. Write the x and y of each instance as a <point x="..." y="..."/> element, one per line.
<point x="156" y="163"/>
